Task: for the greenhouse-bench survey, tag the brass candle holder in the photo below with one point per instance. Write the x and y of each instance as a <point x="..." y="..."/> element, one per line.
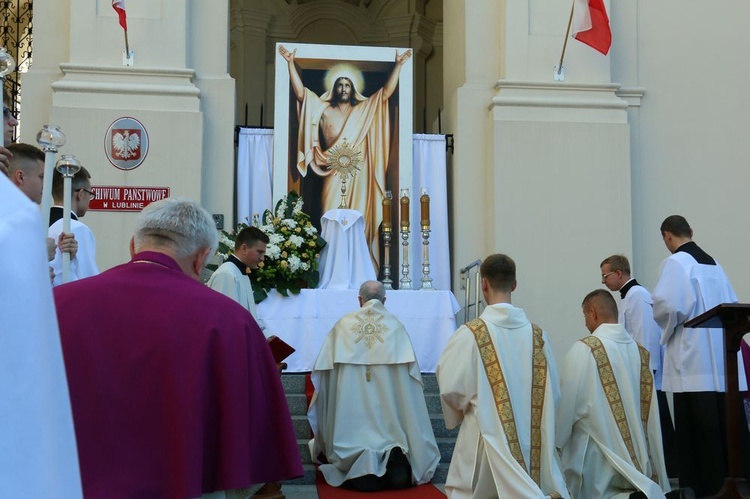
<point x="425" y="225"/>
<point x="405" y="282"/>
<point x="387" y="233"/>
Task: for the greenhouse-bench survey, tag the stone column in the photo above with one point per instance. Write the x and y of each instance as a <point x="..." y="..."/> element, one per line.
<point x="560" y="167"/>
<point x="178" y="88"/>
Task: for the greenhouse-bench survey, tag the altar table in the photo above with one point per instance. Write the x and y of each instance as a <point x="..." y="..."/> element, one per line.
<point x="304" y="320"/>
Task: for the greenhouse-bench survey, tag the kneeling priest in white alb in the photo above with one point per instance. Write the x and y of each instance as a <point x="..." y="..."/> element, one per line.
<point x="498" y="380"/>
<point x="368" y="413"/>
<point x="608" y="423"/>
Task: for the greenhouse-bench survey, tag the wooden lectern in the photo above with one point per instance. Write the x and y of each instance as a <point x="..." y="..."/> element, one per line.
<point x="734" y="319"/>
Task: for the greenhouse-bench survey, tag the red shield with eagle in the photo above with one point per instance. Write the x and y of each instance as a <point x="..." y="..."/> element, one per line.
<point x="125" y="144"/>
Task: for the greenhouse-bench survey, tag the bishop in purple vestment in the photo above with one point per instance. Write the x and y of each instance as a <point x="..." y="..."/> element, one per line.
<point x="174" y="390"/>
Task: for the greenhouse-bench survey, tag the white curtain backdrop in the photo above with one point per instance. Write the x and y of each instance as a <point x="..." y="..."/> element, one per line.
<point x="255" y="178"/>
<point x="430" y="173"/>
<point x="254" y="173"/>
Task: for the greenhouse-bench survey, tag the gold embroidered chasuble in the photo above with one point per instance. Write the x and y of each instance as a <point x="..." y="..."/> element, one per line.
<point x="369" y="399"/>
<point x="611" y="390"/>
<point x="607" y="426"/>
<point x="486" y="461"/>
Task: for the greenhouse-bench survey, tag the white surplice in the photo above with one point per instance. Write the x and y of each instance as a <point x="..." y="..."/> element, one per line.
<point x="594" y="455"/>
<point x="230" y="281"/>
<point x="482" y="465"/>
<point x="356" y="421"/>
<point x="84" y="263"/>
<point x="637" y="315"/>
<point x="693" y="357"/>
<point x="38" y="456"/>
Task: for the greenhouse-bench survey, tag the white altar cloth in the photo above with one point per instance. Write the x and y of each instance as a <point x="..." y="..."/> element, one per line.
<point x="345" y="260"/>
<point x="304" y="320"/>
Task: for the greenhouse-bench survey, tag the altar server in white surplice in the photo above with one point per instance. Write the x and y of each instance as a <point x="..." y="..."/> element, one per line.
<point x="636" y="313"/>
<point x="368" y="413"/>
<point x="690" y="283"/>
<point x="608" y="423"/>
<point x="38" y="456"/>
<point x="232" y="278"/>
<point x="506" y="447"/>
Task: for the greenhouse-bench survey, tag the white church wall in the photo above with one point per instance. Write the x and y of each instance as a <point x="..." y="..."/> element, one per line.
<point x="694" y="129"/>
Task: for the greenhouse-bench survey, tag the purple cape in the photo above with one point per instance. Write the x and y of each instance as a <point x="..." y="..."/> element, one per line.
<point x="174" y="389"/>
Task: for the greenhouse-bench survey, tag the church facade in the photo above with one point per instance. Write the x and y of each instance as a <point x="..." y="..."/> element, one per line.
<point x="557" y="174"/>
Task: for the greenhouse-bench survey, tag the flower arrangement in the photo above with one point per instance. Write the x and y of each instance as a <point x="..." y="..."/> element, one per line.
<point x="292" y="253"/>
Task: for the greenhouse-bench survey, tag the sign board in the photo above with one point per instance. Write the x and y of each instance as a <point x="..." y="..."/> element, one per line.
<point x="126" y="143"/>
<point x="113" y="198"/>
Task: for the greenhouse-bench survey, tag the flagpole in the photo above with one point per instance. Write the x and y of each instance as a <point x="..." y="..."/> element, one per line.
<point x="567" y="35"/>
<point x="127" y="47"/>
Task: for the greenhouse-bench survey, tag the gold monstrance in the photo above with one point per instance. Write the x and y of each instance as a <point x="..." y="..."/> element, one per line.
<point x="344" y="161"/>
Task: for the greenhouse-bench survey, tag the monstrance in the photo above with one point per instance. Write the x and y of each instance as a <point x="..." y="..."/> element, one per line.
<point x="344" y="161"/>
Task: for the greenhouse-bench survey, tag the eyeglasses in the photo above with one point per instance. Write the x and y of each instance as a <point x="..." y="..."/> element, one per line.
<point x="90" y="193"/>
<point x="604" y="276"/>
<point x="7" y="114"/>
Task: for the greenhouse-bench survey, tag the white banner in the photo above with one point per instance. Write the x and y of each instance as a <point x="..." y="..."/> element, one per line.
<point x="254" y="173"/>
<point x="430" y="173"/>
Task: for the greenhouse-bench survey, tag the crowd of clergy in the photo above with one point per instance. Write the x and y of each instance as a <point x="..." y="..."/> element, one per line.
<point x="143" y="381"/>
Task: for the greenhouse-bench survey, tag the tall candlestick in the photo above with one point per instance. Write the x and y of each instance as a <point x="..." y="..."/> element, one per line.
<point x="404" y="209"/>
<point x="424" y="201"/>
<point x="68" y="166"/>
<point x="387" y="209"/>
<point x="50" y="138"/>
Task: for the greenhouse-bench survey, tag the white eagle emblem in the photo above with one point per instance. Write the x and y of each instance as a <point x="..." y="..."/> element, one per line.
<point x="126" y="145"/>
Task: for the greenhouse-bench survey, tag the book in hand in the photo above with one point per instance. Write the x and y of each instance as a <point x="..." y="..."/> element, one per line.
<point x="279" y="348"/>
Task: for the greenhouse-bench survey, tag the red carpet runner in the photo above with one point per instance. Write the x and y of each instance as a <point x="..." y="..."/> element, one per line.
<point x="325" y="491"/>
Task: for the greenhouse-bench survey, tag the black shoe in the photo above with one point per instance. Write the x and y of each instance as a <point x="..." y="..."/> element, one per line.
<point x="398" y="470"/>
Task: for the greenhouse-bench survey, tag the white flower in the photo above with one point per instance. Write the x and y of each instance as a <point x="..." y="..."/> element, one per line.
<point x="296" y="240"/>
<point x="294" y="263"/>
<point x="281" y="209"/>
<point x="311" y="231"/>
<point x="289" y="223"/>
<point x="304" y="266"/>
<point x="275" y="238"/>
<point x="273" y="251"/>
<point x="297" y="207"/>
<point x="224" y="239"/>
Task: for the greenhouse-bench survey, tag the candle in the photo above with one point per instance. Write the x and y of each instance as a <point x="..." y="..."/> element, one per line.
<point x="387" y="212"/>
<point x="405" y="209"/>
<point x="424" y="201"/>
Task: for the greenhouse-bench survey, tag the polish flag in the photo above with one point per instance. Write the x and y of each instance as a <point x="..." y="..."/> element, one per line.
<point x="591" y="24"/>
<point x="119" y="6"/>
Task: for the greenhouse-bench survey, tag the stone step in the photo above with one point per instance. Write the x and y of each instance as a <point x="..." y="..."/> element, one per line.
<point x="293" y="383"/>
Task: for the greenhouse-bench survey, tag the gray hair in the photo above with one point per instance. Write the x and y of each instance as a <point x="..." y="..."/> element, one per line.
<point x="372" y="290"/>
<point x="176" y="223"/>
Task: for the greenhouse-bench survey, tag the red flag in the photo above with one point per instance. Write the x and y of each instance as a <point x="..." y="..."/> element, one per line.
<point x="591" y="24"/>
<point x="119" y="6"/>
